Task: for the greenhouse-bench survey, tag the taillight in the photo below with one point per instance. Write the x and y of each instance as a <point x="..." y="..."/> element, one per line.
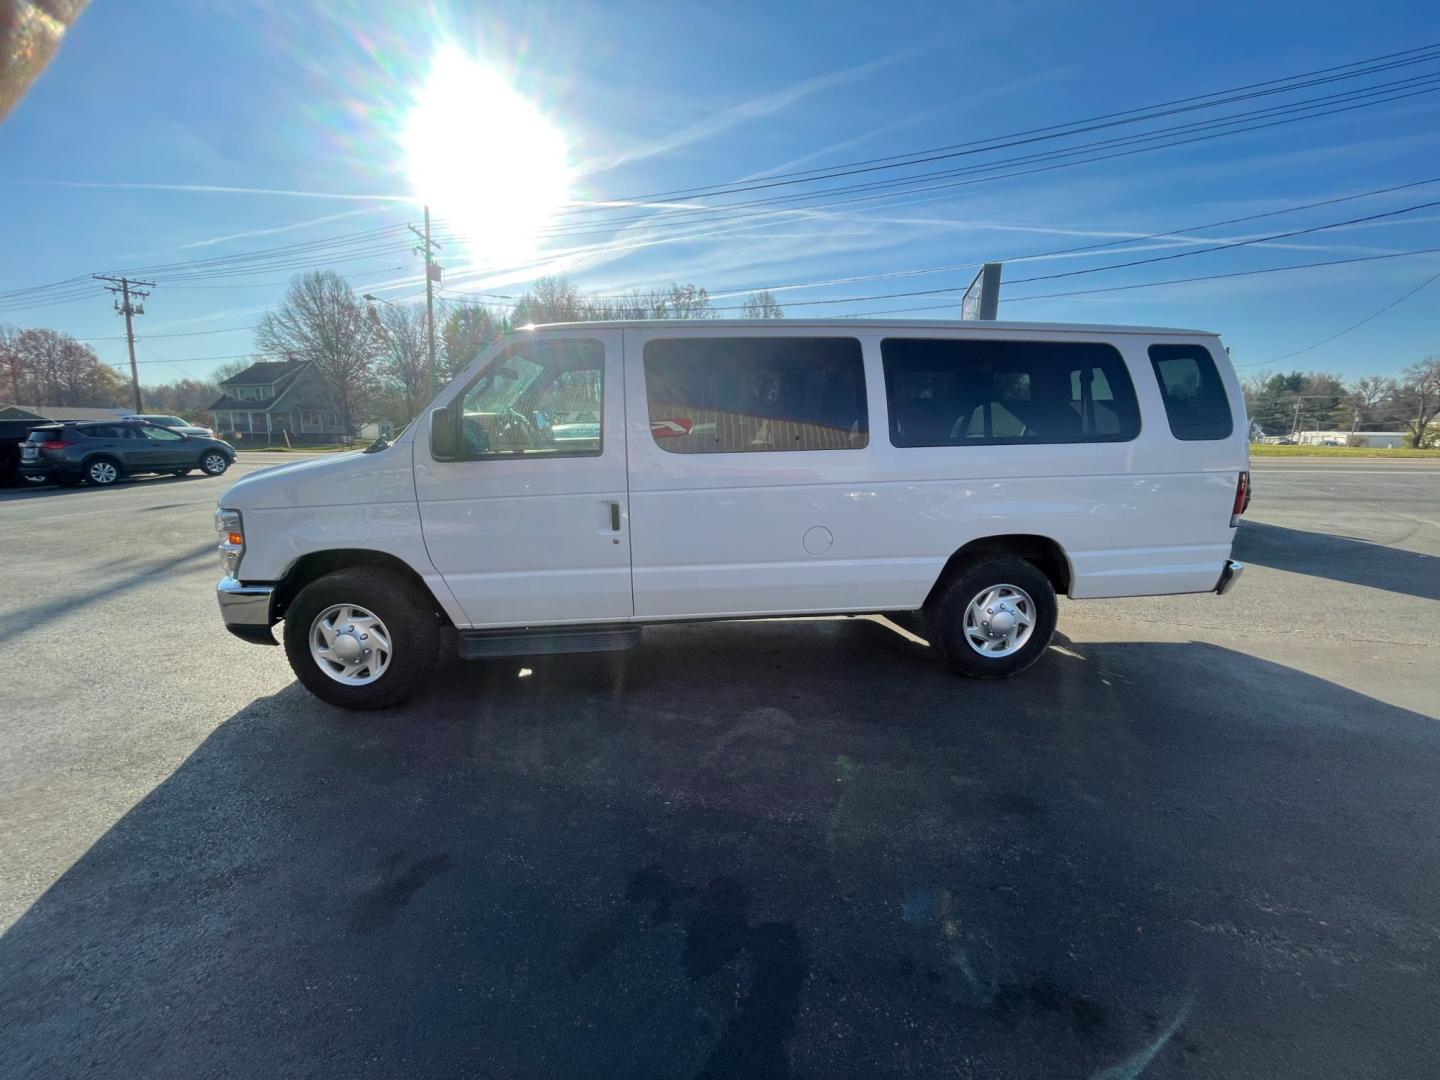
<point x="52" y="445"/>
<point x="1242" y="496"/>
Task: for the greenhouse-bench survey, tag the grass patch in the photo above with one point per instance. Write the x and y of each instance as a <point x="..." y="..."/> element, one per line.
<point x="1266" y="450"/>
<point x="298" y="449"/>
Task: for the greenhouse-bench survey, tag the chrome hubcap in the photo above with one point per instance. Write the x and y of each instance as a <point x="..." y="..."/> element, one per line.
<point x="350" y="644"/>
<point x="214" y="463"/>
<point x="1000" y="620"/>
<point x="102" y="472"/>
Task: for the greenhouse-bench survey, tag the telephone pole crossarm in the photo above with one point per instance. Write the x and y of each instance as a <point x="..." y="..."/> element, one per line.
<point x="130" y="290"/>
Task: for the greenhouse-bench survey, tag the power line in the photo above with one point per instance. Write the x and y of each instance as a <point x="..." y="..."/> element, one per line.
<point x="361" y="243"/>
<point x="192" y="359"/>
<point x="935" y="153"/>
<point x="1235" y="274"/>
<point x="1316" y="108"/>
<point x="182" y="333"/>
<point x="1113" y="266"/>
<point x="1353" y="326"/>
<point x="1139" y="239"/>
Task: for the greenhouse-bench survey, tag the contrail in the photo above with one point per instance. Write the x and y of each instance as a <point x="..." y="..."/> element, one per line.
<point x="221" y="189"/>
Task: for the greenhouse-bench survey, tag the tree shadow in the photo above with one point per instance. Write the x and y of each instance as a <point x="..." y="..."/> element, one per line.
<point x="24" y="621"/>
<point x="762" y="849"/>
<point x="1340" y="558"/>
<point x="24" y="491"/>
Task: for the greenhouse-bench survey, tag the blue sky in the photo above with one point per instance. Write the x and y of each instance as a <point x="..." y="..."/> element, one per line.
<point x="112" y="161"/>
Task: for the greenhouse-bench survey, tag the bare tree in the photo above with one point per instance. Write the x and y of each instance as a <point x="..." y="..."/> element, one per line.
<point x="10" y="360"/>
<point x="551" y="300"/>
<point x="404" y="358"/>
<point x="688" y="302"/>
<point x="55" y="369"/>
<point x="322" y="323"/>
<point x="231" y="368"/>
<point x="466" y="330"/>
<point x="649" y="304"/>
<point x="762" y="305"/>
<point x="1366" y="395"/>
<point x="186" y="397"/>
<point x="1417" y="399"/>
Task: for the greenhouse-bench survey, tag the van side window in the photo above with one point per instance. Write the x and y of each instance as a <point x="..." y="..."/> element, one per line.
<point x="1194" y="396"/>
<point x="986" y="393"/>
<point x="756" y="394"/>
<point x="537" y="398"/>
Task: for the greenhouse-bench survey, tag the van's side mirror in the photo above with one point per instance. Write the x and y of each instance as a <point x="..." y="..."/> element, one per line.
<point x="444" y="437"/>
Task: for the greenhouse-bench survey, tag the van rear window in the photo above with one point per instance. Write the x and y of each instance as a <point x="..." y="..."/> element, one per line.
<point x="754" y="394"/>
<point x="1194" y="396"/>
<point x="981" y="392"/>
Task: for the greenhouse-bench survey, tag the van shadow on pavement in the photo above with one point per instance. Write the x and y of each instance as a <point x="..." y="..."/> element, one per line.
<point x="759" y="850"/>
<point x="1340" y="558"/>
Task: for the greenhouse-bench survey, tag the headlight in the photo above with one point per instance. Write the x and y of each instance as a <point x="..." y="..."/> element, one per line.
<point x="232" y="539"/>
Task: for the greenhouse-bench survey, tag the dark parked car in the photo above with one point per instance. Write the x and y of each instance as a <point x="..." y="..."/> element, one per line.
<point x="101" y="453"/>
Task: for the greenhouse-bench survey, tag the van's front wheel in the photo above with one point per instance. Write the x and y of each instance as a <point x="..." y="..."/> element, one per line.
<point x="994" y="618"/>
<point x="361" y="638"/>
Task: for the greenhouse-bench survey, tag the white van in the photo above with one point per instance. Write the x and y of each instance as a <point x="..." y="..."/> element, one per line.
<point x="578" y="481"/>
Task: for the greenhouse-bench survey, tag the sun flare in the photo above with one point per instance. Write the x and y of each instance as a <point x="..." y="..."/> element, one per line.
<point x="486" y="159"/>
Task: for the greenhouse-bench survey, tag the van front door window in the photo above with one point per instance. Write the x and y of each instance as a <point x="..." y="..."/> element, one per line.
<point x="536" y="399"/>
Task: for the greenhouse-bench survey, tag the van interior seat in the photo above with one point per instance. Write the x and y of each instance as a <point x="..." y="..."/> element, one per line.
<point x="922" y="420"/>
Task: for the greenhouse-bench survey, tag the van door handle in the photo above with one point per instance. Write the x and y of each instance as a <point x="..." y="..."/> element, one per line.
<point x="614" y="517"/>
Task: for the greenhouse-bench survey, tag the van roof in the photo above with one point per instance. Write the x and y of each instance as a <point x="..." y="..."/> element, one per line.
<point x="969" y="325"/>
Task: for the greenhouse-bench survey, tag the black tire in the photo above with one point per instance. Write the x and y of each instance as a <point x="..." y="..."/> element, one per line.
<point x="103" y="472"/>
<point x="408" y="614"/>
<point x="946" y="616"/>
<point x="214" y="463"/>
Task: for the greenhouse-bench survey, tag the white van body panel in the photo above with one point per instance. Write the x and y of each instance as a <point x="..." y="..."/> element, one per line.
<point x="351" y="501"/>
<point x="724" y="534"/>
<point x="529" y="540"/>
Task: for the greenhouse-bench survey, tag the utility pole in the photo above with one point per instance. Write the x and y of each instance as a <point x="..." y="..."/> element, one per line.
<point x="428" y="247"/>
<point x="126" y="306"/>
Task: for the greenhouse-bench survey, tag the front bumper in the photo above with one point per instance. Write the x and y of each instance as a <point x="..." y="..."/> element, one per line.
<point x="246" y="610"/>
<point x="1229" y="576"/>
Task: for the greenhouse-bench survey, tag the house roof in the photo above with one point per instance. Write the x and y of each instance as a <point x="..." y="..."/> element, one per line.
<point x="65" y="412"/>
<point x="279" y="374"/>
<point x="18" y="412"/>
<point x="264" y="373"/>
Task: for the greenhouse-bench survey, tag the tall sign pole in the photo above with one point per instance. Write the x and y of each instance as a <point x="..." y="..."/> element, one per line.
<point x="129" y="291"/>
<point x="427" y="248"/>
<point x="982" y="298"/>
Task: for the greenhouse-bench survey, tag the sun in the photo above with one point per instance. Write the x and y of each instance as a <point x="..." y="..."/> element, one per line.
<point x="485" y="159"/>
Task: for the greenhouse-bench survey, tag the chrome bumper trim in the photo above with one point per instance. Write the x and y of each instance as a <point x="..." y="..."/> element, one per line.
<point x="244" y="605"/>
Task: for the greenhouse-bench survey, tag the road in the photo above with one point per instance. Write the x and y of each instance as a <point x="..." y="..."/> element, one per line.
<point x="1200" y="839"/>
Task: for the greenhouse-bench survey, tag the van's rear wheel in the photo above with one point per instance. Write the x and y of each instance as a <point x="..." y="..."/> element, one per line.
<point x="994" y="618"/>
<point x="363" y="638"/>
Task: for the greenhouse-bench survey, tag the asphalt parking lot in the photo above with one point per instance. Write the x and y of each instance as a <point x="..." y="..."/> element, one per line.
<point x="1200" y="839"/>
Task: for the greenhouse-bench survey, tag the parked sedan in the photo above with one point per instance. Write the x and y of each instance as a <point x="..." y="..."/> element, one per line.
<point x="174" y="423"/>
<point x="102" y="453"/>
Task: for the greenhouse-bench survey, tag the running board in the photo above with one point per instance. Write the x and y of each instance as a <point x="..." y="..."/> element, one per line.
<point x="541" y="641"/>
